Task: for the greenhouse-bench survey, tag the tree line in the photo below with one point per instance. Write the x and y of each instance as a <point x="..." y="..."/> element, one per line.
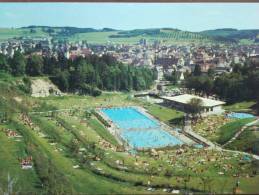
<point x="87" y="75"/>
<point x="241" y="84"/>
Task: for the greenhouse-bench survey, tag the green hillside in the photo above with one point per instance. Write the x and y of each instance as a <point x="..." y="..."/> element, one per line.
<point x="9" y="33"/>
<point x="242" y="36"/>
<point x="165" y="35"/>
<point x="107" y="35"/>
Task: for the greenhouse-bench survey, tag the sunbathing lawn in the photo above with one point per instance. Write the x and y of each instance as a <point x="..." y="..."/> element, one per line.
<point x="219" y="128"/>
<point x="247" y="141"/>
<point x="100" y="129"/>
<point x="227" y="131"/>
<point x="10" y="151"/>
<point x="75" y="101"/>
<point x="240" y="107"/>
<point x="82" y="180"/>
<point x="163" y="113"/>
<point x="209" y="126"/>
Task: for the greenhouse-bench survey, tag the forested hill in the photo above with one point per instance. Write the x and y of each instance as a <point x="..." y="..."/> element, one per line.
<point x="105" y="35"/>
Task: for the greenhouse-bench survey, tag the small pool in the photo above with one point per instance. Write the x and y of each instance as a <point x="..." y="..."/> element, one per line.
<point x="239" y="115"/>
<point x="139" y="130"/>
<point x="199" y="146"/>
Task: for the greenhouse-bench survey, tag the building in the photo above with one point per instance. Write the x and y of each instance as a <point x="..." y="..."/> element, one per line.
<point x="181" y="102"/>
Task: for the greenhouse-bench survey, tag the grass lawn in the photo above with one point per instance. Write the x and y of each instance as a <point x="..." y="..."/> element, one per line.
<point x="98" y="127"/>
<point x="239" y="107"/>
<point x="10" y="151"/>
<point x="82" y="180"/>
<point x="247" y="141"/>
<point x="227" y="131"/>
<point x="74" y="101"/>
<point x="163" y="113"/>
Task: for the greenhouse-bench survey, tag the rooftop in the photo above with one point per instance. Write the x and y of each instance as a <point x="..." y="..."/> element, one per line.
<point x="185" y="99"/>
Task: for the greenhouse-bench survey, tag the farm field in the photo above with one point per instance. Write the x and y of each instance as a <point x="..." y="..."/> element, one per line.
<point x="9" y="33"/>
<point x="104" y="37"/>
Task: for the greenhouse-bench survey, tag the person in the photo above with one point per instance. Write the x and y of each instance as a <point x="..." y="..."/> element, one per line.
<point x="237" y="183"/>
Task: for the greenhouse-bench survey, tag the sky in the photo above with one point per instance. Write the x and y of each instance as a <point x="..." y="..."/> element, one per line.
<point x="126" y="16"/>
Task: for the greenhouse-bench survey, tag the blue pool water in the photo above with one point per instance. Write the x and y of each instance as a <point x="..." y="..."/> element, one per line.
<point x="199" y="146"/>
<point x="240" y="115"/>
<point x="139" y="130"/>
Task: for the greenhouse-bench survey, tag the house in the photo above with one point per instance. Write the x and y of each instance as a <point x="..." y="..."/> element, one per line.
<point x="181" y="102"/>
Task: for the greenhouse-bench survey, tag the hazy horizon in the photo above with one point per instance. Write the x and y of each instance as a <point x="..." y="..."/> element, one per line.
<point x="127" y="16"/>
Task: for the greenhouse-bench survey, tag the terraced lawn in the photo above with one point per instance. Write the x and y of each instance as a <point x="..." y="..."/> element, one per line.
<point x="10" y="151"/>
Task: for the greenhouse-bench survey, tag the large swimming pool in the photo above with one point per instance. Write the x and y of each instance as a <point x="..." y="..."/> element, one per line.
<point x="139" y="130"/>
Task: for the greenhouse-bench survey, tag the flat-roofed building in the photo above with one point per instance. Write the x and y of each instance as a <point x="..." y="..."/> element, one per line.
<point x="181" y="102"/>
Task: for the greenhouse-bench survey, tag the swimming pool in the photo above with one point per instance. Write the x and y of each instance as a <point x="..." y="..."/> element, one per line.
<point x="240" y="115"/>
<point x="139" y="130"/>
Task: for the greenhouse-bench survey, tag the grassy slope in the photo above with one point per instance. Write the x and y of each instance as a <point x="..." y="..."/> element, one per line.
<point x="10" y="151"/>
<point x="246" y="141"/>
<point x="162" y="113"/>
<point x="98" y="127"/>
<point x="166" y="36"/>
<point x="82" y="180"/>
<point x="7" y="33"/>
<point x="228" y="130"/>
<point x="239" y="107"/>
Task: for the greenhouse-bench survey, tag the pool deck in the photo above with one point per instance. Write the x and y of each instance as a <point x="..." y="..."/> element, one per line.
<point x="115" y="130"/>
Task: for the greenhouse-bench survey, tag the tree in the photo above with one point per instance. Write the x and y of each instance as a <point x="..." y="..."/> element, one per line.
<point x="197" y="70"/>
<point x="211" y="72"/>
<point x="34" y="65"/>
<point x="62" y="80"/>
<point x="18" y="64"/>
<point x="207" y="85"/>
<point x="4" y="63"/>
<point x="194" y="106"/>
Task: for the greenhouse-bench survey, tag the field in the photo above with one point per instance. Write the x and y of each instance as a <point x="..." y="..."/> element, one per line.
<point x="167" y="36"/>
<point x="8" y="33"/>
<point x="103" y="37"/>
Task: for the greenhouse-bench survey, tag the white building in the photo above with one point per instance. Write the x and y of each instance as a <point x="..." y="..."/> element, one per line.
<point x="181" y="102"/>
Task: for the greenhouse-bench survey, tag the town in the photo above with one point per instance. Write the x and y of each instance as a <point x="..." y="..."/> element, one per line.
<point x="165" y="58"/>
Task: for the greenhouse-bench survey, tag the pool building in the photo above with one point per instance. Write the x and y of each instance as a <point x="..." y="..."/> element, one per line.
<point x="181" y="102"/>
